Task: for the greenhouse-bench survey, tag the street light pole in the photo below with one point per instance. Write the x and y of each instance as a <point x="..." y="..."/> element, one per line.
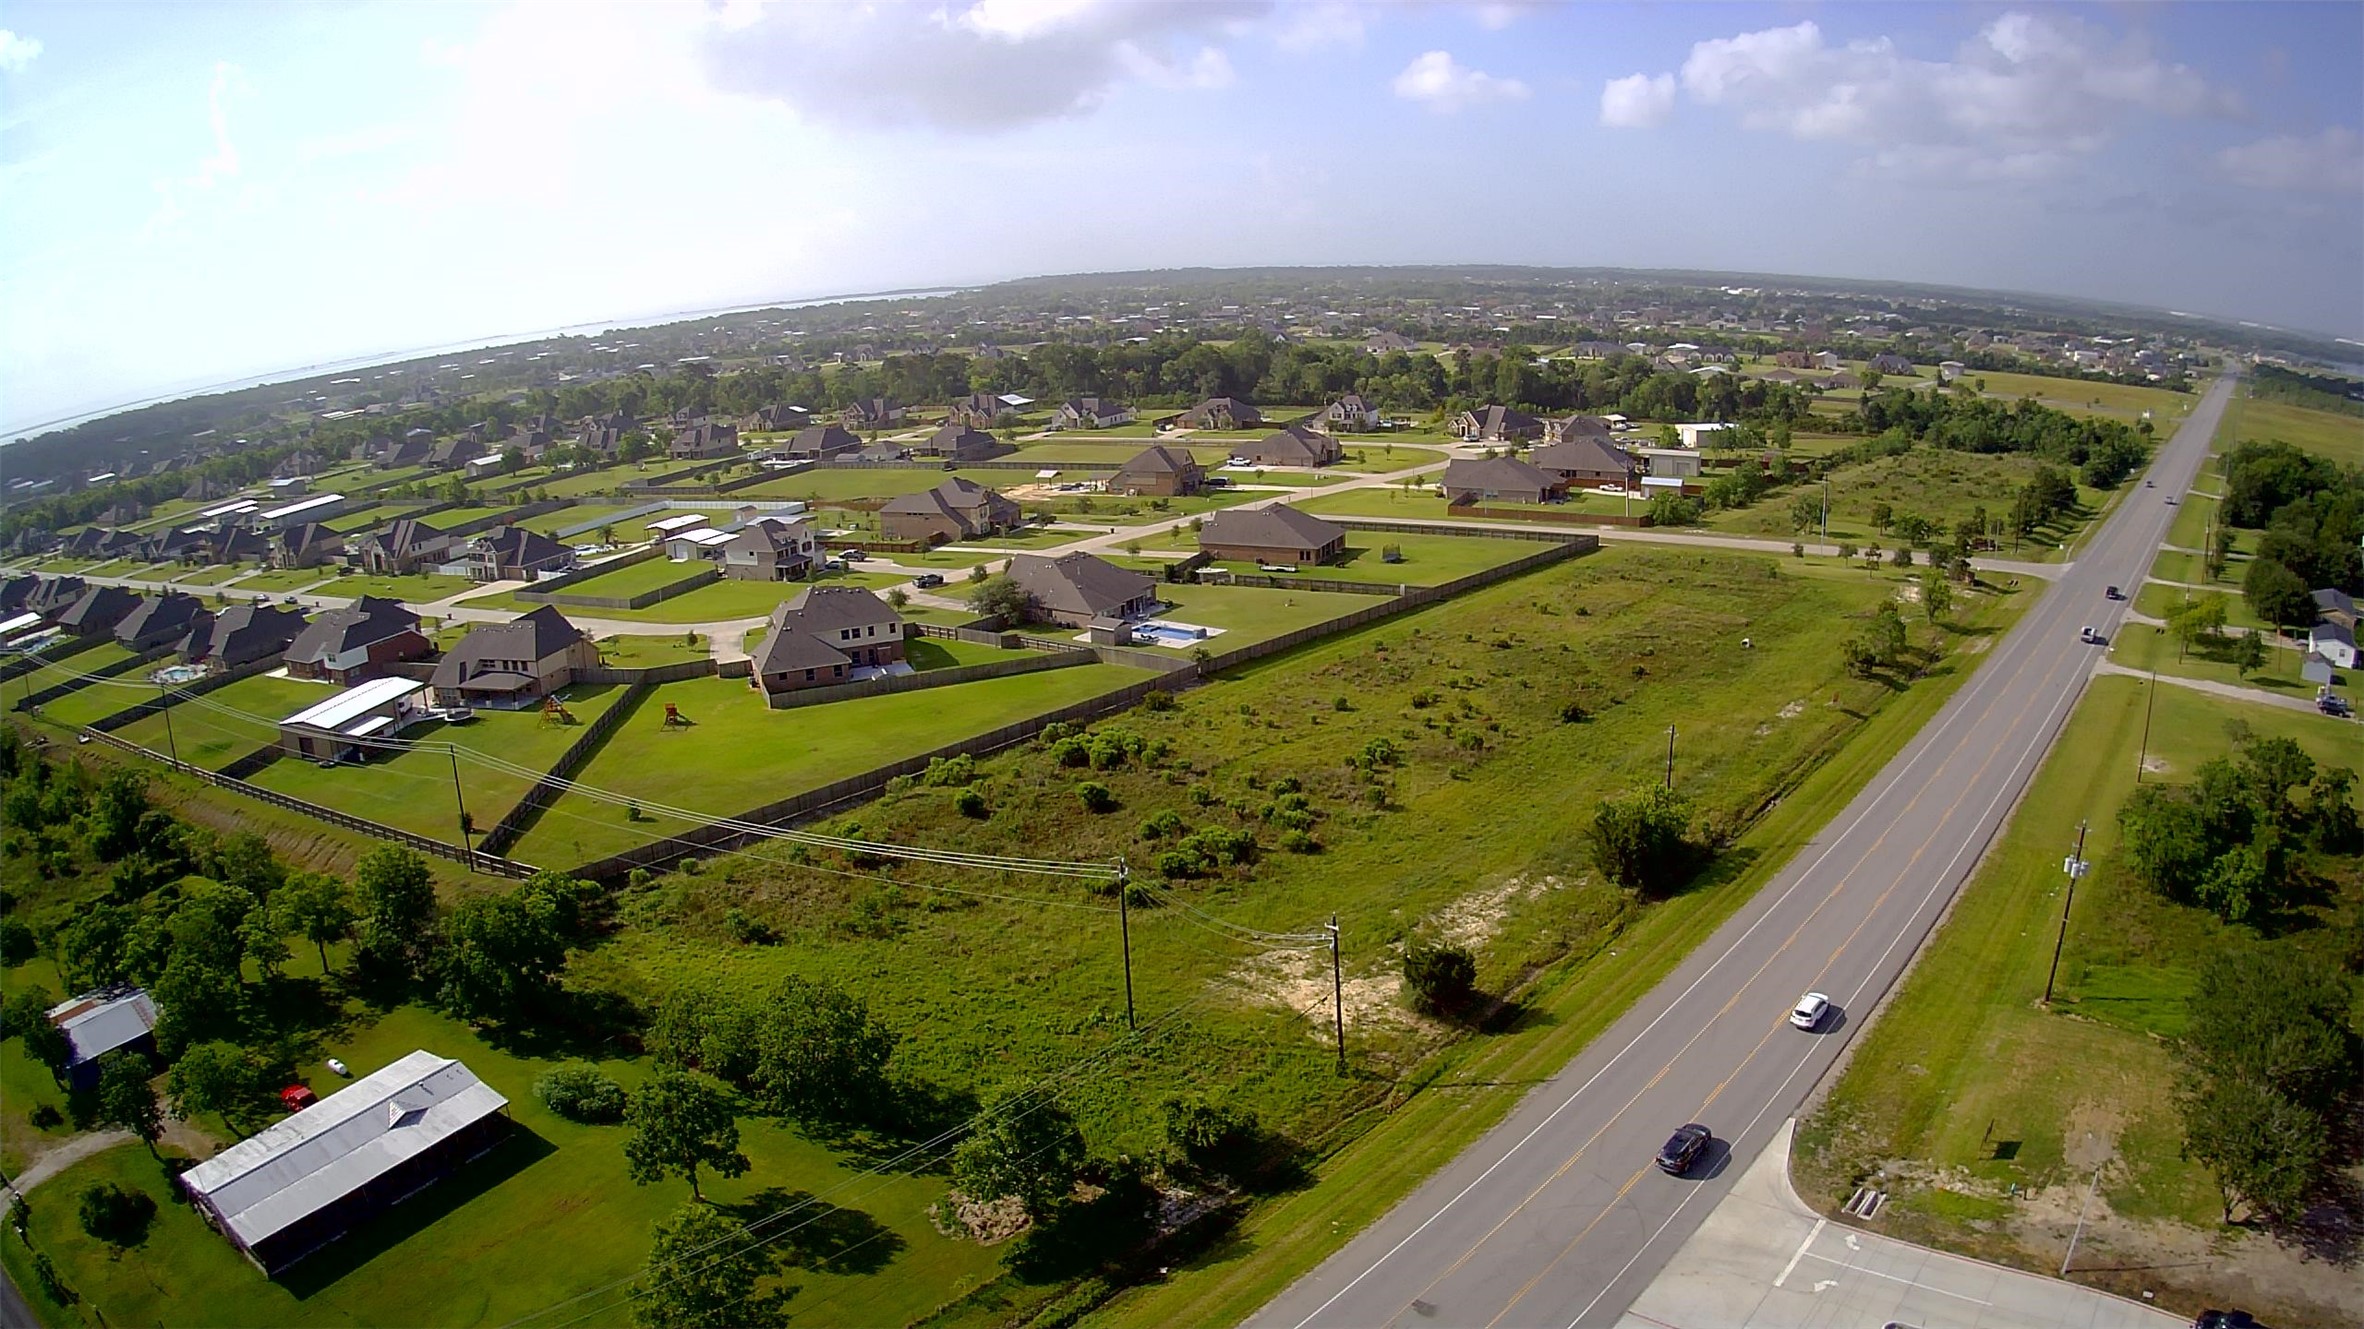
<point x="2075" y="867"/>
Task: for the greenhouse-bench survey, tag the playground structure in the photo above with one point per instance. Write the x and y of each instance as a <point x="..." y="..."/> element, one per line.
<point x="674" y="719"/>
<point x="554" y="712"/>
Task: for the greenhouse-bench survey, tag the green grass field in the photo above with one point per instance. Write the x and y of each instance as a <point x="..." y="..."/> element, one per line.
<point x="281" y="580"/>
<point x="418" y="588"/>
<point x="634" y="578"/>
<point x="639" y="652"/>
<point x="2327" y="433"/>
<point x="2141" y="646"/>
<point x="367" y="517"/>
<point x="213" y="574"/>
<point x="1968" y="1074"/>
<point x="2117" y="401"/>
<point x="550" y="523"/>
<point x="716" y="602"/>
<point x="737" y="754"/>
<point x="1249" y="614"/>
<point x="1939" y="485"/>
<point x="1423" y="503"/>
<point x="2158" y="600"/>
<point x="223" y="725"/>
<point x="451" y="517"/>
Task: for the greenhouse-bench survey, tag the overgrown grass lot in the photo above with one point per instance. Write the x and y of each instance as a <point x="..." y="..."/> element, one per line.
<point x="1426" y="560"/>
<point x="1431" y="776"/>
<point x="2325" y="433"/>
<point x="1937" y="484"/>
<point x="1967" y="1087"/>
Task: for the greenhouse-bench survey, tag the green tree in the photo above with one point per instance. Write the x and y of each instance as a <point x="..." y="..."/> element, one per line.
<point x="2276" y="1017"/>
<point x="317" y="906"/>
<point x="2266" y="1151"/>
<point x="1937" y="594"/>
<point x="821" y="1056"/>
<point x="703" y="1270"/>
<point x="502" y="955"/>
<point x="215" y="1077"/>
<point x="1022" y="1147"/>
<point x="1638" y="841"/>
<point x="2249" y="655"/>
<point x="45" y="1043"/>
<point x="681" y="1122"/>
<point x="997" y="596"/>
<point x="2165" y="840"/>
<point x="2196" y="620"/>
<point x="127" y="1097"/>
<point x="2220" y="552"/>
<point x="2276" y="594"/>
<point x="397" y="897"/>
<point x="1442" y="979"/>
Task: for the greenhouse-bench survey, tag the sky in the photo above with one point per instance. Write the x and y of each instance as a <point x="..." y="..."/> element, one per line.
<point x="192" y="193"/>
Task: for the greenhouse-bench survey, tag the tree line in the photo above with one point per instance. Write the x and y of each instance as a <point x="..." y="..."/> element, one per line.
<point x="2310" y="511"/>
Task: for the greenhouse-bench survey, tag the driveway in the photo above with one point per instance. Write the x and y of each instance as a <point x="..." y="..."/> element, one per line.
<point x="1764" y="1260"/>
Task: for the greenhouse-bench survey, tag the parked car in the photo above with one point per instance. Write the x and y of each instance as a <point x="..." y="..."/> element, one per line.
<point x="854" y="556"/>
<point x="928" y="581"/>
<point x="2331" y="703"/>
<point x="2226" y="1320"/>
<point x="1276" y="567"/>
<point x="1809" y="1011"/>
<point x="1683" y="1148"/>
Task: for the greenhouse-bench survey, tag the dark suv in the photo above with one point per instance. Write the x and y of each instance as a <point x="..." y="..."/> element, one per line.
<point x="1683" y="1148"/>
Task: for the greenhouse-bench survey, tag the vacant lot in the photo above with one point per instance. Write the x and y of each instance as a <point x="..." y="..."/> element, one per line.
<point x="633" y="578"/>
<point x="736" y="754"/>
<point x="418" y="588"/>
<point x="1935" y="484"/>
<point x="721" y="601"/>
<point x="2117" y="401"/>
<point x="1968" y="1086"/>
<point x="551" y="523"/>
<point x="2328" y="433"/>
<point x="1422" y="503"/>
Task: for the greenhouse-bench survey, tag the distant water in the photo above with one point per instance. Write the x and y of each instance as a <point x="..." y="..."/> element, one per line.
<point x="24" y="430"/>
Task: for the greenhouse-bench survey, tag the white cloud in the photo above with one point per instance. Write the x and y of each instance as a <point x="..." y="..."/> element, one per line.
<point x="982" y="66"/>
<point x="17" y="52"/>
<point x="176" y="198"/>
<point x="2331" y="162"/>
<point x="1637" y="101"/>
<point x="1446" y="85"/>
<point x="1499" y="14"/>
<point x="1312" y="27"/>
<point x="2029" y="94"/>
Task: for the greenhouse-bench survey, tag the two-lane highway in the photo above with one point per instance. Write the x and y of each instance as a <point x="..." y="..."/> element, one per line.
<point x="1557" y="1217"/>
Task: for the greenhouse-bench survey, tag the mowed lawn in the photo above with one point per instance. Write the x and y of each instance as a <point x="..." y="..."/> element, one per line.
<point x="2326" y="433"/>
<point x="412" y="789"/>
<point x="550" y="523"/>
<point x="1967" y="1073"/>
<point x="1249" y="614"/>
<point x="2118" y="401"/>
<point x="418" y="588"/>
<point x="736" y="754"/>
<point x="1428" y="560"/>
<point x="1423" y="503"/>
<point x="634" y="578"/>
<point x="2142" y="646"/>
<point x="225" y="724"/>
<point x="727" y="600"/>
<point x="547" y="1216"/>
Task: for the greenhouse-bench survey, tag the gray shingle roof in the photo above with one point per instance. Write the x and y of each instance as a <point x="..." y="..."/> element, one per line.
<point x="1078" y="583"/>
<point x="537" y="636"/>
<point x="1277" y="527"/>
<point x="351" y="627"/>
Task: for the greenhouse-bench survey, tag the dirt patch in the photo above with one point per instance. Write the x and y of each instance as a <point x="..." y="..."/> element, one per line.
<point x="985" y="1222"/>
<point x="1793" y="710"/>
<point x="1300" y="981"/>
<point x="1472" y="920"/>
<point x="1041" y="493"/>
<point x="2156" y="765"/>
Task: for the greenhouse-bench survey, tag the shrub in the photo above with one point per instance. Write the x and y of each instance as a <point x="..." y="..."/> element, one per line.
<point x="1158" y="701"/>
<point x="1072" y="751"/>
<point x="1210" y="1136"/>
<point x="1166" y="823"/>
<point x="1299" y="842"/>
<point x="1638" y="841"/>
<point x="1440" y="978"/>
<point x="46" y="1117"/>
<point x="114" y="1215"/>
<point x="580" y="1091"/>
<point x="1096" y="797"/>
<point x="946" y="771"/>
<point x="970" y="801"/>
<point x="17" y="942"/>
<point x="749" y="930"/>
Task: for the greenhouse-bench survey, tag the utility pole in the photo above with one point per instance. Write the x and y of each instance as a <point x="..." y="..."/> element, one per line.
<point x="1826" y="509"/>
<point x="2149" y="700"/>
<point x="1124" y="931"/>
<point x="467" y="846"/>
<point x="1670" y="736"/>
<point x="164" y="699"/>
<point x="2075" y="866"/>
<point x="1338" y="994"/>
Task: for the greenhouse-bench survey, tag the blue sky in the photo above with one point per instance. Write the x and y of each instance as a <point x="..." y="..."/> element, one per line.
<point x="192" y="193"/>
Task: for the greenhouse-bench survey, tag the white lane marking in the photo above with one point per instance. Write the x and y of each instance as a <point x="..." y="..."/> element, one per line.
<point x="1792" y="1266"/>
<point x="1854" y="1268"/>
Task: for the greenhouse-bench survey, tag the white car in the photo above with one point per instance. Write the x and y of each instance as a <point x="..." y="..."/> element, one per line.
<point x="338" y="1067"/>
<point x="1809" y="1011"/>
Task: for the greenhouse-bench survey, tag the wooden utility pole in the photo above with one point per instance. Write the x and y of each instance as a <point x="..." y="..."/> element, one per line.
<point x="2075" y="868"/>
<point x="164" y="703"/>
<point x="1338" y="994"/>
<point x="467" y="846"/>
<point x="1670" y="737"/>
<point x="1124" y="932"/>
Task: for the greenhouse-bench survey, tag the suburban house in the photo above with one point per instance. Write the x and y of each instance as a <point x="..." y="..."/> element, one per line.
<point x="1889" y="362"/>
<point x="1295" y="445"/>
<point x="770" y="549"/>
<point x="1669" y="463"/>
<point x="319" y="507"/>
<point x="241" y="635"/>
<point x="236" y="544"/>
<point x="1385" y="343"/>
<point x="821" y="442"/>
<point x="957" y="509"/>
<point x="1500" y="480"/>
<point x="884" y="452"/>
<point x="407" y="451"/>
<point x="1827" y="360"/>
<point x="872" y="413"/>
<point x="2335" y="642"/>
<point x="1277" y="534"/>
<point x="159" y="620"/>
<point x="1074" y="589"/>
<point x="980" y="410"/>
<point x="357" y="642"/>
<point x="1795" y="359"/>
<point x="52" y="597"/>
<point x="959" y="442"/>
<point x="1222" y="413"/>
<point x="307" y="546"/>
<point x="705" y="441"/>
<point x="514" y="553"/>
<point x="347" y="720"/>
<point x="1159" y="472"/>
<point x="1949" y="370"/>
<point x="1496" y="424"/>
<point x="778" y="419"/>
<point x="513" y="663"/>
<point x="303" y="1182"/>
<point x="827" y="635"/>
<point x="403" y="548"/>
<point x="97" y="1023"/>
<point x="1577" y="426"/>
<point x="704" y="542"/>
<point x="2335" y="605"/>
<point x="1090" y="413"/>
<point x="1352" y="414"/>
<point x="1585" y="460"/>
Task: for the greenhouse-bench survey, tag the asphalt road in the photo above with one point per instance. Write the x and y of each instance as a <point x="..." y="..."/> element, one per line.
<point x="1557" y="1216"/>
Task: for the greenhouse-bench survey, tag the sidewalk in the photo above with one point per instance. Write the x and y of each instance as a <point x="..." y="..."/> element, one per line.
<point x="1763" y="1260"/>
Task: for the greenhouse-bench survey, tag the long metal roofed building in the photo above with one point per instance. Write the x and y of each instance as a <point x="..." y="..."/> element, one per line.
<point x="302" y="1183"/>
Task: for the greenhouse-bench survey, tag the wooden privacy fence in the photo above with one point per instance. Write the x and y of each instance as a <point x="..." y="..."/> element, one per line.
<point x="130" y="715"/>
<point x="63" y="649"/>
<point x="473" y="860"/>
<point x="520" y="818"/>
<point x="931" y="678"/>
<point x="73" y="685"/>
<point x="1462" y="529"/>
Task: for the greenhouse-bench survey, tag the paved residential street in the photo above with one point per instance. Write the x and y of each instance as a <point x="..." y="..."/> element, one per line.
<point x="1557" y="1217"/>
